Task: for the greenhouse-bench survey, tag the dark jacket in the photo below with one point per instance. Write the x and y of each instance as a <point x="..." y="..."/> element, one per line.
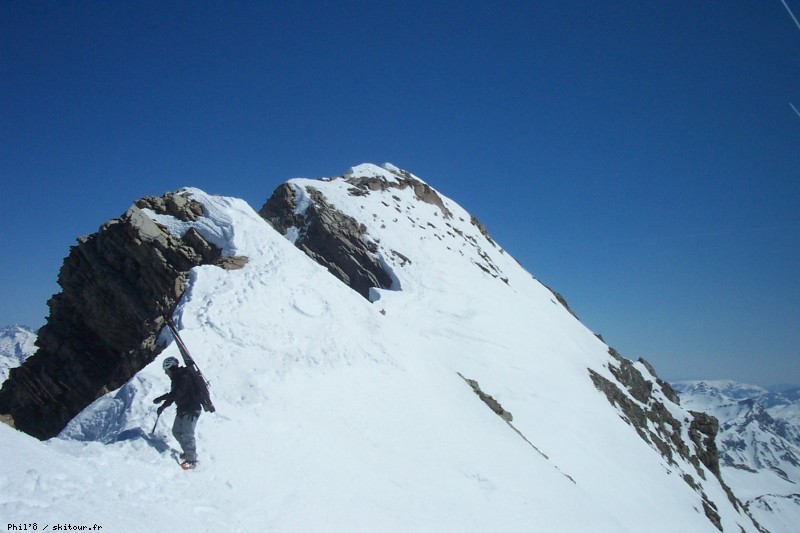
<point x="183" y="393"/>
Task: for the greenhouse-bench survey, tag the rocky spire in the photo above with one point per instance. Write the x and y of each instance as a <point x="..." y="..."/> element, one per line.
<point x="117" y="286"/>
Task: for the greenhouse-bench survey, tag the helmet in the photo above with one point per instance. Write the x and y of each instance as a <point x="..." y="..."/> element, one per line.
<point x="168" y="363"/>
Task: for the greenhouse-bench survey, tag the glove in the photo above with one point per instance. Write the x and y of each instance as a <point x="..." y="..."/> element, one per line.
<point x="160" y="409"/>
<point x="160" y="398"/>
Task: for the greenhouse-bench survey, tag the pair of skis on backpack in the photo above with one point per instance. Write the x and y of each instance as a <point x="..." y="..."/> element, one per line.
<point x="197" y="376"/>
<point x="200" y="381"/>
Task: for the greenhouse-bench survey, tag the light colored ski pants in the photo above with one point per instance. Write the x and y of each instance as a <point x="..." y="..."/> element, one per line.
<point x="183" y="431"/>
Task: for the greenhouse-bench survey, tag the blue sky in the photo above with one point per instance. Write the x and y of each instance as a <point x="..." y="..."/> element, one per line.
<point x="641" y="158"/>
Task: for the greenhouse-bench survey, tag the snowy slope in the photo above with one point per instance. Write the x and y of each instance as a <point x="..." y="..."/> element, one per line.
<point x="16" y="345"/>
<point x="759" y="443"/>
<point x="335" y="413"/>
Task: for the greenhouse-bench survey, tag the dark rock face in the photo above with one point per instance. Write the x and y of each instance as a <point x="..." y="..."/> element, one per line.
<point x="117" y="286"/>
<point x="334" y="240"/>
<point x="279" y="210"/>
<point x="633" y="395"/>
<point x="703" y="431"/>
<point x="340" y="243"/>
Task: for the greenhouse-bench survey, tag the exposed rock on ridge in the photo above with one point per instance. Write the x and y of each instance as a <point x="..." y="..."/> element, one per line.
<point x="634" y="395"/>
<point x="333" y="239"/>
<point x="493" y="404"/>
<point x="404" y="179"/>
<point x="340" y="243"/>
<point x="117" y="286"/>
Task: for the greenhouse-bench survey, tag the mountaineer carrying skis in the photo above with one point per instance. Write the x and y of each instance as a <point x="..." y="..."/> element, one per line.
<point x="188" y="400"/>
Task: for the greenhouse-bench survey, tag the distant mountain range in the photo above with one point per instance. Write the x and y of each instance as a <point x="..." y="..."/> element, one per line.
<point x="758" y="442"/>
<point x="16" y="344"/>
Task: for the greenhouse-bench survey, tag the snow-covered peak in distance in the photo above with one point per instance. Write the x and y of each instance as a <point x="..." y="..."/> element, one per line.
<point x="17" y="343"/>
<point x="722" y="389"/>
<point x="759" y="445"/>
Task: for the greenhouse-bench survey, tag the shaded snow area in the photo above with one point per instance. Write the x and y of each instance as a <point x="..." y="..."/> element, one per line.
<point x="759" y="445"/>
<point x="339" y="414"/>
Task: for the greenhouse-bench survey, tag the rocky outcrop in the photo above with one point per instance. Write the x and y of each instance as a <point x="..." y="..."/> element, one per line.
<point x="117" y="286"/>
<point x="334" y="240"/>
<point x="633" y="393"/>
<point x="703" y="431"/>
<point x="341" y="244"/>
<point x="403" y="180"/>
<point x="490" y="402"/>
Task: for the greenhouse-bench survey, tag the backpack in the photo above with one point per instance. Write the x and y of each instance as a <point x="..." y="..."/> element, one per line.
<point x="200" y="382"/>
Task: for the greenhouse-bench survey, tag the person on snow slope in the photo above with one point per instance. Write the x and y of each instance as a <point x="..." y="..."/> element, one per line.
<point x="187" y="399"/>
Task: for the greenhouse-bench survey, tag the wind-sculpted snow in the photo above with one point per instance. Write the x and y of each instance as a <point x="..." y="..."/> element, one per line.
<point x="216" y="225"/>
<point x="337" y="413"/>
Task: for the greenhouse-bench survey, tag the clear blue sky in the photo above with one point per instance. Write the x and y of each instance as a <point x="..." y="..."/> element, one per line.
<point x="642" y="158"/>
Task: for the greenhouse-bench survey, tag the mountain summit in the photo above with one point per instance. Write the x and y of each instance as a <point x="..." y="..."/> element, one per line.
<point x="378" y="363"/>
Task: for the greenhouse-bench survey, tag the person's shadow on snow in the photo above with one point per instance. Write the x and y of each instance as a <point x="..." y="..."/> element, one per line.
<point x="154" y="441"/>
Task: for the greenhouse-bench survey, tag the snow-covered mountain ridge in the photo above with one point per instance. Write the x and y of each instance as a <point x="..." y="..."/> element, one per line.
<point x="343" y="409"/>
<point x="759" y="444"/>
